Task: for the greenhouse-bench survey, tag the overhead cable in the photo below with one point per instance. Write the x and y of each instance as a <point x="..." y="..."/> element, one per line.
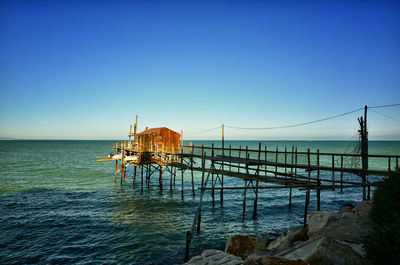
<point x="295" y="125"/>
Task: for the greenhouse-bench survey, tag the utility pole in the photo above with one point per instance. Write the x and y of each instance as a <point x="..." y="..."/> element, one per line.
<point x="364" y="149"/>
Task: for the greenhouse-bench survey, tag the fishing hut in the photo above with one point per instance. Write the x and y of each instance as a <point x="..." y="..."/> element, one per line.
<point x="151" y="150"/>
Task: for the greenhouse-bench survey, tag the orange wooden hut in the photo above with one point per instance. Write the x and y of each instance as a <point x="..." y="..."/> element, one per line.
<point x="159" y="140"/>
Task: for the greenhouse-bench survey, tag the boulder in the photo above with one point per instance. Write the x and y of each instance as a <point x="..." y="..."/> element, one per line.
<point x="347" y="208"/>
<point x="243" y="246"/>
<point x="324" y="251"/>
<point x="347" y="226"/>
<point x="330" y="252"/>
<point x="298" y="235"/>
<point x="363" y="209"/>
<point x="214" y="257"/>
<point x="319" y="220"/>
<point x="281" y="243"/>
<point x="268" y="260"/>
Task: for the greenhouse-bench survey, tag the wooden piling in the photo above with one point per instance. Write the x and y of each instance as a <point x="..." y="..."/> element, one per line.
<point x="182" y="174"/>
<point x="187" y="246"/>
<point x="141" y="176"/>
<point x="244" y="199"/>
<point x="319" y="182"/>
<point x="116" y="171"/>
<point x="191" y="169"/>
<point x="306" y="207"/>
<point x="256" y="189"/>
<point x="134" y="174"/>
<point x="291" y="177"/>
<point x="333" y="172"/>
<point x="170" y="180"/>
<point x="276" y="160"/>
<point x="341" y="174"/>
<point x="122" y="171"/>
<point x="212" y="177"/>
<point x="160" y="179"/>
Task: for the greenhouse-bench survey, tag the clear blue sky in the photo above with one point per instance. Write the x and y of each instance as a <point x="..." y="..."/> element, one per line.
<point x="84" y="69"/>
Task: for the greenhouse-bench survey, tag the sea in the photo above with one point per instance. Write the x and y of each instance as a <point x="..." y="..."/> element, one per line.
<point x="59" y="206"/>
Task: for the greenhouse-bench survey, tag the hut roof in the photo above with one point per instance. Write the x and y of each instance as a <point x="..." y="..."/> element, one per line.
<point x="154" y="130"/>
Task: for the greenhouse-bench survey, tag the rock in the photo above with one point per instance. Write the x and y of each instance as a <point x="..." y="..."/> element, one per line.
<point x="350" y="216"/>
<point x="243" y="246"/>
<point x="347" y="208"/>
<point x="348" y="227"/>
<point x="324" y="251"/>
<point x="301" y="250"/>
<point x="281" y="243"/>
<point x="363" y="209"/>
<point x="268" y="260"/>
<point x="299" y="234"/>
<point x="215" y="257"/>
<point x="330" y="252"/>
<point x="319" y="220"/>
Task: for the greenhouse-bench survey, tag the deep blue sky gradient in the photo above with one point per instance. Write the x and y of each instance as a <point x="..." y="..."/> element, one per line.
<point x="84" y="69"/>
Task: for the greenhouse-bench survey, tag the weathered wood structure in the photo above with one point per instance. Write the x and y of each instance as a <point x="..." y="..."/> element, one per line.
<point x="260" y="169"/>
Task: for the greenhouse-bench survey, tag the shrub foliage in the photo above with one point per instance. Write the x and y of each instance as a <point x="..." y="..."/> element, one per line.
<point x="383" y="244"/>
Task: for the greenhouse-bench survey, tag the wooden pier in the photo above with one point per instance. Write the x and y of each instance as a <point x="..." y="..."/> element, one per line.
<point x="263" y="168"/>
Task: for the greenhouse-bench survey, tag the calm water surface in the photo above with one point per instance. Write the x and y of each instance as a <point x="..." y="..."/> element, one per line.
<point x="58" y="205"/>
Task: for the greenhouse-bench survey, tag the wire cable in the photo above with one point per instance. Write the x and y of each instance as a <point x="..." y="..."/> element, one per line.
<point x="383" y="114"/>
<point x="209" y="130"/>
<point x="295" y="125"/>
<point x="383" y="106"/>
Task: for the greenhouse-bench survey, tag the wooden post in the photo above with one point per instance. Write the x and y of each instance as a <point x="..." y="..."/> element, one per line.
<point x="141" y="185"/>
<point x="134" y="173"/>
<point x="285" y="161"/>
<point x="240" y="149"/>
<point x="122" y="171"/>
<point x="244" y="197"/>
<point x="295" y="161"/>
<point x="160" y="179"/>
<point x="187" y="246"/>
<point x="174" y="175"/>
<point x="341" y="173"/>
<point x="135" y="130"/>
<point x="170" y="180"/>
<point x="148" y="175"/>
<point x="319" y="182"/>
<point x="266" y="167"/>
<point x="222" y="167"/>
<point x="116" y="170"/>
<point x="333" y="172"/>
<point x="389" y="167"/>
<point x="130" y="134"/>
<point x="364" y="148"/>
<point x="276" y="160"/>
<point x="182" y="172"/>
<point x="191" y="168"/>
<point x="306" y="207"/>
<point x="212" y="175"/>
<point x="256" y="189"/>
<point x="125" y="171"/>
<point x="291" y="177"/>
<point x="203" y="167"/>
<point x="309" y="166"/>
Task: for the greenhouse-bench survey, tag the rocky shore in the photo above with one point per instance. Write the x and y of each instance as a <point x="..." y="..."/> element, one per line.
<point x="330" y="238"/>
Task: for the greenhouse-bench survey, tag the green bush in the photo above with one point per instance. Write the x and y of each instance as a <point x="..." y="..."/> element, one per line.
<point x="383" y="244"/>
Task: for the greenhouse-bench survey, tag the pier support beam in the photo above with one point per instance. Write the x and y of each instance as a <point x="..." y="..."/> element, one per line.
<point x="160" y="179"/>
<point x="306" y="207"/>
<point x="134" y="173"/>
<point x="141" y="176"/>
